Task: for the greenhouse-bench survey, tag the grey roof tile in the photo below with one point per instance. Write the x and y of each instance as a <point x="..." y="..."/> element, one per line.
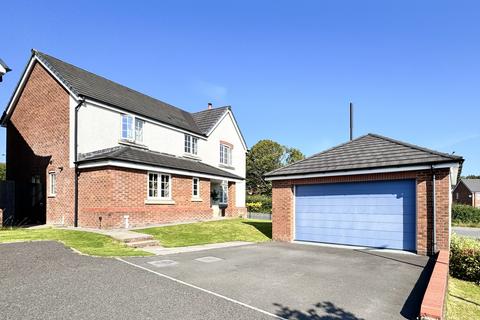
<point x="366" y="152"/>
<point x="141" y="156"/>
<point x="85" y="83"/>
<point x="207" y="119"/>
<point x="472" y="184"/>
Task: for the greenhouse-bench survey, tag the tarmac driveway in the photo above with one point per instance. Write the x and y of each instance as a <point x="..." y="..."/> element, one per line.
<point x="291" y="281"/>
<point x="297" y="281"/>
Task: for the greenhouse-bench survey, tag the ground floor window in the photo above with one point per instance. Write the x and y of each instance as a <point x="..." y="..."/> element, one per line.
<point x="159" y="186"/>
<point x="52" y="184"/>
<point x="224" y="192"/>
<point x="195" y="187"/>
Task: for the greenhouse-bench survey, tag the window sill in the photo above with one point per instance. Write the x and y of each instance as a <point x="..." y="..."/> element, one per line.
<point x="191" y="156"/>
<point x="132" y="143"/>
<point x="196" y="200"/>
<point x="225" y="166"/>
<point x="159" y="201"/>
<point x="52" y="196"/>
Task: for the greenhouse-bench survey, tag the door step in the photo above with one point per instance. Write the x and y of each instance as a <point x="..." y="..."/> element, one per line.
<point x="142" y="243"/>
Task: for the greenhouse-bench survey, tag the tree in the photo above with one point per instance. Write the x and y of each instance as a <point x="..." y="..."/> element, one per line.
<point x="3" y="168"/>
<point x="265" y="156"/>
<point x="472" y="176"/>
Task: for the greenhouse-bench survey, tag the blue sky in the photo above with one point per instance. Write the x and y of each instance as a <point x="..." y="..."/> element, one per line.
<point x="289" y="69"/>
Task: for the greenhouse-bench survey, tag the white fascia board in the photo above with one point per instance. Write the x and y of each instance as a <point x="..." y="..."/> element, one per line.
<point x="23" y="79"/>
<point x="360" y="172"/>
<point x="122" y="164"/>
<point x="235" y="124"/>
<point x="121" y="111"/>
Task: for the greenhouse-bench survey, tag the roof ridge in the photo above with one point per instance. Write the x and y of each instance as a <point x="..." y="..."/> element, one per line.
<point x="318" y="153"/>
<point x="414" y="146"/>
<point x="39" y="54"/>
<point x="207" y="110"/>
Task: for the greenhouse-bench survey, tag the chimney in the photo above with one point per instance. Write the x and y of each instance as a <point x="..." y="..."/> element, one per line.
<point x="209" y="105"/>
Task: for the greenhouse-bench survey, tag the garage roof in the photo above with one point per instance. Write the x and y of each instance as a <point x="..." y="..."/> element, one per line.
<point x="371" y="151"/>
<point x="472" y="184"/>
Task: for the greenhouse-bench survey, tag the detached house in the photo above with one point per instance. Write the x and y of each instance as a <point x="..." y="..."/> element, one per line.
<point x="86" y="151"/>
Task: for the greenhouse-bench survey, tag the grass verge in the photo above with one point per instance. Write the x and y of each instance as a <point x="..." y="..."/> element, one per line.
<point x="212" y="232"/>
<point x="86" y="242"/>
<point x="466" y="224"/>
<point x="463" y="300"/>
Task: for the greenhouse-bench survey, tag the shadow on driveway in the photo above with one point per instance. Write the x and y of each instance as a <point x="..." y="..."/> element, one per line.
<point x="320" y="311"/>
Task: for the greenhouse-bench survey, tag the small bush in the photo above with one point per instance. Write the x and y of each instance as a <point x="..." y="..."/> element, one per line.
<point x="464" y="214"/>
<point x="465" y="258"/>
<point x="259" y="203"/>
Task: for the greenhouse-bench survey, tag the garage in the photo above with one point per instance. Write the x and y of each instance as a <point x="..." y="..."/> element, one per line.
<point x="375" y="214"/>
<point x="372" y="191"/>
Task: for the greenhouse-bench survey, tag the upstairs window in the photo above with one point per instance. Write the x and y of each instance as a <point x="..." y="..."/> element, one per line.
<point x="225" y="154"/>
<point x="132" y="128"/>
<point x="191" y="144"/>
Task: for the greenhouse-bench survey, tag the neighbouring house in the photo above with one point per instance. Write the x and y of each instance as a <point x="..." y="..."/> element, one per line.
<point x="86" y="151"/>
<point x="3" y="69"/>
<point x="372" y="191"/>
<point x="467" y="191"/>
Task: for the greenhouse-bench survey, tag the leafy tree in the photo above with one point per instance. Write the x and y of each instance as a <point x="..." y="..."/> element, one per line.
<point x="3" y="169"/>
<point x="265" y="156"/>
<point x="472" y="176"/>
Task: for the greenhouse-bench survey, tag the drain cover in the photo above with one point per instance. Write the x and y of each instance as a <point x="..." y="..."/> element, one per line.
<point x="209" y="259"/>
<point x="163" y="263"/>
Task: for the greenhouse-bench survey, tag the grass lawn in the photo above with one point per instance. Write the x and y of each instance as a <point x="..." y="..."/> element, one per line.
<point x="85" y="242"/>
<point x="212" y="232"/>
<point x="463" y="300"/>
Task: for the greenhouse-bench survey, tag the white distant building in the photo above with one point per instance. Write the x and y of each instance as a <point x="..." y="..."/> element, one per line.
<point x="3" y="69"/>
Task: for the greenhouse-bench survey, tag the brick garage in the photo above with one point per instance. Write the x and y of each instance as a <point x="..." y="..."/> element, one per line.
<point x="350" y="165"/>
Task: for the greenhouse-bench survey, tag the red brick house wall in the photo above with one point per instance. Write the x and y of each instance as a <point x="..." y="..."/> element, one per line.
<point x="283" y="204"/>
<point x="462" y="195"/>
<point x="38" y="142"/>
<point x="111" y="193"/>
<point x="38" y="134"/>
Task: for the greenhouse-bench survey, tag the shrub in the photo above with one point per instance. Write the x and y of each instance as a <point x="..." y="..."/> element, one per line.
<point x="259" y="203"/>
<point x="464" y="214"/>
<point x="465" y="258"/>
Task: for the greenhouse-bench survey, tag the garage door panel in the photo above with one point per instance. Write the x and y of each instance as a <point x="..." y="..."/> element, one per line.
<point x="386" y="218"/>
<point x="359" y="241"/>
<point x="351" y="208"/>
<point x="375" y="213"/>
<point x="357" y="225"/>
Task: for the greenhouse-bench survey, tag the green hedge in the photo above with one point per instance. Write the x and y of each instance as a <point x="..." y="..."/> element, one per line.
<point x="464" y="214"/>
<point x="259" y="203"/>
<point x="465" y="258"/>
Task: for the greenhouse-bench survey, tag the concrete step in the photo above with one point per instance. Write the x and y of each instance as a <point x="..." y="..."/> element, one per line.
<point x="143" y="243"/>
<point x="139" y="238"/>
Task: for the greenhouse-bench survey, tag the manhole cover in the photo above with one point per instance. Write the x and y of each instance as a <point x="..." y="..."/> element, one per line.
<point x="163" y="263"/>
<point x="209" y="259"/>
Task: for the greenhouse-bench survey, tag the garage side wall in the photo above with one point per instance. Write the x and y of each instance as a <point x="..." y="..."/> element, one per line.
<point x="283" y="203"/>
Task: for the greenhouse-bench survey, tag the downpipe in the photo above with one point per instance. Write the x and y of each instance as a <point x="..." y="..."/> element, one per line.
<point x="434" y="213"/>
<point x="77" y="173"/>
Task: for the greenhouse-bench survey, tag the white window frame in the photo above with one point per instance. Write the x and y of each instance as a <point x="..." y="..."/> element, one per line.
<point x="132" y="132"/>
<point x="191" y="144"/>
<point x="52" y="184"/>
<point x="195" y="181"/>
<point x="225" y="154"/>
<point x="224" y="192"/>
<point x="160" y="176"/>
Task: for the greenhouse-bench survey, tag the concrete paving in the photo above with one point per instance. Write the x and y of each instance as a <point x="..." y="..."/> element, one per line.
<point x="161" y="251"/>
<point x="468" y="232"/>
<point x="297" y="281"/>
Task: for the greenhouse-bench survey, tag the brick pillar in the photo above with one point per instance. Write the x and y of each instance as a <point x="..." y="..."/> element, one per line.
<point x="282" y="211"/>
